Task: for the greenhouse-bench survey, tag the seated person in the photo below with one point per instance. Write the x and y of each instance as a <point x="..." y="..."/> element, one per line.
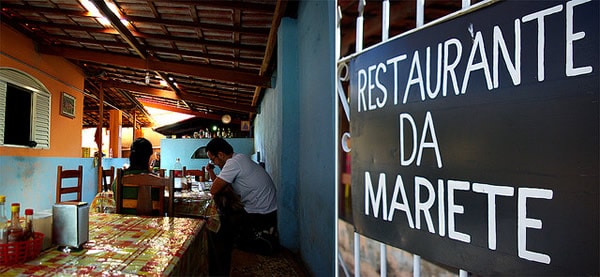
<point x="247" y="199"/>
<point x="139" y="163"/>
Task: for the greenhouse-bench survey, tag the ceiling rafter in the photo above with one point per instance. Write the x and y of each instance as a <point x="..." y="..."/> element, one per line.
<point x="209" y="72"/>
<point x="182" y="96"/>
<point x="28" y="24"/>
<point x="210" y="52"/>
<point x="271" y="42"/>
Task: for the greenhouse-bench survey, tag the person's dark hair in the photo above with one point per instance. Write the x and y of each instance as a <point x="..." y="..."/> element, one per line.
<point x="217" y="145"/>
<point x="139" y="156"/>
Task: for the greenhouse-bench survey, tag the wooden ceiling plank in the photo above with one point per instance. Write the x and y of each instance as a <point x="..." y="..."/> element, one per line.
<point x="182" y="96"/>
<point x="200" y="71"/>
<point x="216" y="103"/>
<point x="116" y="23"/>
<point x="204" y="26"/>
<point x="184" y="111"/>
<point x="254" y="7"/>
<point x="144" y="89"/>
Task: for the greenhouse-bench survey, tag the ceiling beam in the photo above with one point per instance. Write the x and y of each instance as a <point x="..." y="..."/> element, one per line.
<point x="184" y="111"/>
<point x="116" y="23"/>
<point x="271" y="42"/>
<point x="217" y="103"/>
<point x="212" y="27"/>
<point x="253" y="7"/>
<point x="200" y="71"/>
<point x="143" y="89"/>
<point x="210" y="102"/>
<point x="111" y="31"/>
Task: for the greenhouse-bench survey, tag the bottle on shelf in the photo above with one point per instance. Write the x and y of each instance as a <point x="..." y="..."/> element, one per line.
<point x="15" y="231"/>
<point x="28" y="231"/>
<point x="178" y="174"/>
<point x="3" y="220"/>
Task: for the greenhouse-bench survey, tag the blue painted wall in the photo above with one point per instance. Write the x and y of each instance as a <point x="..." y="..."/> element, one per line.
<point x="31" y="181"/>
<point x="317" y="164"/>
<point x="277" y="136"/>
<point x="296" y="132"/>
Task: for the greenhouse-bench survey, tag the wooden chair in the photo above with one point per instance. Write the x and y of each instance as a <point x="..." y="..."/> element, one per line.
<point x="108" y="177"/>
<point x="150" y="198"/>
<point x="61" y="190"/>
<point x="193" y="172"/>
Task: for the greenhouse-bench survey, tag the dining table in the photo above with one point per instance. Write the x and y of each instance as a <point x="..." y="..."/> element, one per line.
<point x="196" y="202"/>
<point x="127" y="245"/>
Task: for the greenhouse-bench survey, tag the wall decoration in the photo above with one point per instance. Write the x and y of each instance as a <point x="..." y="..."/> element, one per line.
<point x="245" y="125"/>
<point x="67" y="105"/>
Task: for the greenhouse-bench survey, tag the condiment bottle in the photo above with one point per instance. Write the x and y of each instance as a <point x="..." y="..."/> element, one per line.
<point x="28" y="233"/>
<point x="178" y="172"/>
<point x="15" y="231"/>
<point x="203" y="173"/>
<point x="3" y="220"/>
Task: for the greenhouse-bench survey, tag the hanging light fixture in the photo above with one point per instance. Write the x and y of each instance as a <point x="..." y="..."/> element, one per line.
<point x="226" y="119"/>
<point x="147" y="78"/>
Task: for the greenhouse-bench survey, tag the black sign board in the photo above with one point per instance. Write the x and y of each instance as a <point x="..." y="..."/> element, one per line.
<point x="475" y="141"/>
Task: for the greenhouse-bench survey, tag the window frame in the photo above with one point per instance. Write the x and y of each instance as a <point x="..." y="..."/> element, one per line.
<point x="41" y="100"/>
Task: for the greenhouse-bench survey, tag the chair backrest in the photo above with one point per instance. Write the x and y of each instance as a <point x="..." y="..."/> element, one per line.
<point x="141" y="194"/>
<point x="61" y="190"/>
<point x="108" y="177"/>
<point x="193" y="172"/>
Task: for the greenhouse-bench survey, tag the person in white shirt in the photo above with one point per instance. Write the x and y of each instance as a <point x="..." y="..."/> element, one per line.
<point x="247" y="199"/>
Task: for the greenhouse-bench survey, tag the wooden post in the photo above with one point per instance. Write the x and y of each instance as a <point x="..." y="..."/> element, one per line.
<point x="99" y="136"/>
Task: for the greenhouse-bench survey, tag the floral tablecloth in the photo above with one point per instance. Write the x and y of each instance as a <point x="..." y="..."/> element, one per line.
<point x="127" y="245"/>
<point x="197" y="204"/>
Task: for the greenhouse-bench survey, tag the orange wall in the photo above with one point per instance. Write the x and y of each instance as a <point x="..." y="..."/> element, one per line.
<point x="58" y="75"/>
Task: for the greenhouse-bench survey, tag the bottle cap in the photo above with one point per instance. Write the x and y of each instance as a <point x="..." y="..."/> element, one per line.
<point x="15" y="204"/>
<point x="2" y="198"/>
<point x="28" y="211"/>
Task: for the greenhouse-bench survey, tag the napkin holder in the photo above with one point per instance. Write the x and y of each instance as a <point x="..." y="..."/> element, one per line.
<point x="70" y="225"/>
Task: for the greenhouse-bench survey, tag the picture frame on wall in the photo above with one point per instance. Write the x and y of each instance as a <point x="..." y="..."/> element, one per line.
<point x="67" y="105"/>
<point x="245" y="125"/>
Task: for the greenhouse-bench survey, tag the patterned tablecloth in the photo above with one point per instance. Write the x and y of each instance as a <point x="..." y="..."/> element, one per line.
<point x="127" y="245"/>
<point x="197" y="204"/>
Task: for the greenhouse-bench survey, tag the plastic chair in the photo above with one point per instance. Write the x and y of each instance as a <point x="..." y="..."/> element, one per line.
<point x="61" y="190"/>
<point x="150" y="191"/>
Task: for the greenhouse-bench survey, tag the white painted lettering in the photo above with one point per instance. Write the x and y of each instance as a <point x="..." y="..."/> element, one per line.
<point x="404" y="206"/>
<point x="514" y="69"/>
<point x="395" y="61"/>
<point x="415" y="67"/>
<point x="449" y="67"/>
<point x="478" y="47"/>
<point x="411" y="121"/>
<point x="429" y="128"/>
<point x="570" y="70"/>
<point x="378" y="200"/>
<point x="454" y="209"/>
<point x="424" y="206"/>
<point x="541" y="40"/>
<point x="491" y="192"/>
<point x="524" y="223"/>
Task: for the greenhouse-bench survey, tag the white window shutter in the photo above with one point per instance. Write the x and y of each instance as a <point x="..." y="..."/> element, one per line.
<point x="41" y="98"/>
<point x="41" y="120"/>
<point x="2" y="109"/>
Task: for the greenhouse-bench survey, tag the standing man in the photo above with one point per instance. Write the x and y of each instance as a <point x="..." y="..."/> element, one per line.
<point x="246" y="197"/>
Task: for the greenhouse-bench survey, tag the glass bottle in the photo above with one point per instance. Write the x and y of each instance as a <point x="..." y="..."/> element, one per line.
<point x="15" y="231"/>
<point x="28" y="232"/>
<point x="3" y="220"/>
<point x="178" y="171"/>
